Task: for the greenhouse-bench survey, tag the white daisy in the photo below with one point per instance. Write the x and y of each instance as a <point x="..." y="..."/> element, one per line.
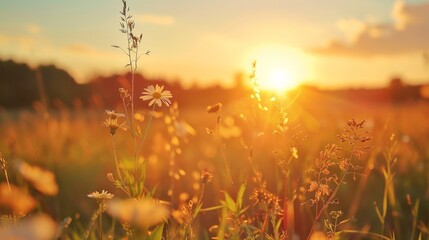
<point x="156" y="95"/>
<point x="101" y="196"/>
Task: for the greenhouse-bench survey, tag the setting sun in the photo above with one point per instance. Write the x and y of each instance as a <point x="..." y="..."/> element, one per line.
<point x="279" y="80"/>
<point x="279" y="68"/>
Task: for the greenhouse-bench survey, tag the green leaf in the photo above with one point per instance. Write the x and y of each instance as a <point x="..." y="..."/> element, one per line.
<point x="197" y="210"/>
<point x="230" y="204"/>
<point x="239" y="199"/>
<point x="243" y="210"/>
<point x="157" y="232"/>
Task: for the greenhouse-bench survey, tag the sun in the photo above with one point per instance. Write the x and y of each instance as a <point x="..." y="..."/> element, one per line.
<point x="279" y="68"/>
<point x="279" y="81"/>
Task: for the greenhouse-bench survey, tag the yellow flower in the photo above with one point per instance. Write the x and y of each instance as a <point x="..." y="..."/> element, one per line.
<point x="140" y="212"/>
<point x="104" y="195"/>
<point x="16" y="199"/>
<point x="156" y="95"/>
<point x="42" y="180"/>
<point x="113" y="125"/>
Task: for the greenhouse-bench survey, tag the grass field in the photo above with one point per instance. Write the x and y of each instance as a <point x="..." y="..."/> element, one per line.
<point x="249" y="173"/>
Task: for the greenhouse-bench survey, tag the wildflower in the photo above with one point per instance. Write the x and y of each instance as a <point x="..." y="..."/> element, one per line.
<point x="322" y="190"/>
<point x="110" y="177"/>
<point x="114" y="115"/>
<point x="140" y="212"/>
<point x="156" y="95"/>
<point x="268" y="199"/>
<point x="104" y="195"/>
<point x="3" y="162"/>
<point x="125" y="95"/>
<point x="42" y="180"/>
<point x="39" y="226"/>
<point x="313" y="186"/>
<point x="258" y="195"/>
<point x="206" y="177"/>
<point x="102" y="206"/>
<point x="16" y="199"/>
<point x="113" y="125"/>
<point x="344" y="164"/>
<point x="336" y="214"/>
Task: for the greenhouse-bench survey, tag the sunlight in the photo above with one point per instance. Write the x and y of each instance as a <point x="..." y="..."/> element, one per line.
<point x="279" y="80"/>
<point x="279" y="68"/>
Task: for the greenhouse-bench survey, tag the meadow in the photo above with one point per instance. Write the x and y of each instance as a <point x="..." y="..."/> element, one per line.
<point x="236" y="160"/>
<point x="254" y="164"/>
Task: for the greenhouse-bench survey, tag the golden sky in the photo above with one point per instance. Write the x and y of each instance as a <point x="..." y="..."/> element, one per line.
<point x="329" y="43"/>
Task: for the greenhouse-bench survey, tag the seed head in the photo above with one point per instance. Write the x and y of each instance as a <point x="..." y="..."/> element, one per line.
<point x="206" y="177"/>
<point x="214" y="108"/>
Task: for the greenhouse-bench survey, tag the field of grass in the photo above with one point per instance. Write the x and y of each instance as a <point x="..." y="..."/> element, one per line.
<point x="293" y="168"/>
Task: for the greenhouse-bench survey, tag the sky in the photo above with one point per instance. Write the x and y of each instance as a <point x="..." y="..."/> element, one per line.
<point x="328" y="43"/>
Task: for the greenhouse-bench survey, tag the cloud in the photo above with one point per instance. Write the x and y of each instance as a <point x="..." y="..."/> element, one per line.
<point x="352" y="28"/>
<point x="162" y="20"/>
<point x="407" y="33"/>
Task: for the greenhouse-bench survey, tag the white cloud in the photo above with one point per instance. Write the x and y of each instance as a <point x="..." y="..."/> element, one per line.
<point x="162" y="20"/>
<point x="407" y="34"/>
<point x="352" y="28"/>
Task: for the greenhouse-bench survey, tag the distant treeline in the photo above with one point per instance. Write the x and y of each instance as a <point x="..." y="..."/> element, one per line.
<point x="22" y="86"/>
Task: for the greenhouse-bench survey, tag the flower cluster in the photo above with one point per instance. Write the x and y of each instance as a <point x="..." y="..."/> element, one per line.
<point x="112" y="122"/>
<point x="267" y="199"/>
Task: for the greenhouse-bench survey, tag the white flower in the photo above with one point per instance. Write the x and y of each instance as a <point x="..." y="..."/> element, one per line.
<point x="101" y="196"/>
<point x="113" y="115"/>
<point x="156" y="95"/>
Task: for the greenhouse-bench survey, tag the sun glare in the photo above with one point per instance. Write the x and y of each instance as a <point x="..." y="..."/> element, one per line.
<point x="279" y="80"/>
<point x="279" y="68"/>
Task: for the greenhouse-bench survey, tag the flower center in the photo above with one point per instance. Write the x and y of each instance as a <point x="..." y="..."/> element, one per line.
<point x="156" y="95"/>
